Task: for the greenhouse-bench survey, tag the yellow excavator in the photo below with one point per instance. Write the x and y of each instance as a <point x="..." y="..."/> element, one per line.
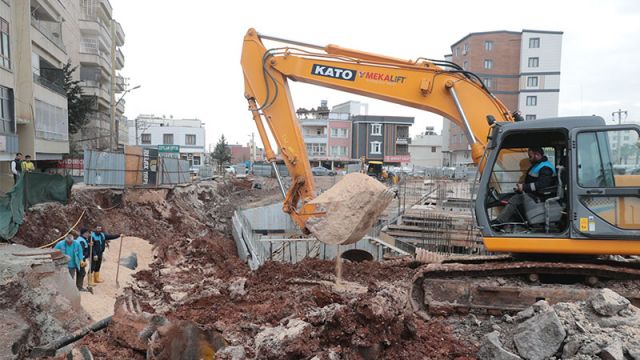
<point x="590" y="210"/>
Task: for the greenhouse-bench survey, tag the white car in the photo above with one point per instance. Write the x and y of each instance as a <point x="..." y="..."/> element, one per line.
<point x="230" y="169"/>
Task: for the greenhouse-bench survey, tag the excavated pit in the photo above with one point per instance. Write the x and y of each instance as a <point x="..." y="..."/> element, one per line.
<point x="198" y="278"/>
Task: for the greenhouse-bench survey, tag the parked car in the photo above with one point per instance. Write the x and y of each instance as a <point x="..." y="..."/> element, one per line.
<point x="322" y="171"/>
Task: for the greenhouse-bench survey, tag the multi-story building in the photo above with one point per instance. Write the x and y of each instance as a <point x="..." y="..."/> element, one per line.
<point x="327" y="136"/>
<point x="521" y="68"/>
<point x="382" y="138"/>
<point x="101" y="59"/>
<point x="426" y="149"/>
<point x="185" y="138"/>
<point x="34" y="116"/>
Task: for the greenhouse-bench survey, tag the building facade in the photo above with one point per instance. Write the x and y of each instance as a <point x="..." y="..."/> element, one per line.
<point x="382" y="138"/>
<point x="37" y="38"/>
<point x="101" y="59"/>
<point x="522" y="69"/>
<point x="184" y="138"/>
<point x="426" y="149"/>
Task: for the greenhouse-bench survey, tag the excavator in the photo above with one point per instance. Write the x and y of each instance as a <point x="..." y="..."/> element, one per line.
<point x="591" y="212"/>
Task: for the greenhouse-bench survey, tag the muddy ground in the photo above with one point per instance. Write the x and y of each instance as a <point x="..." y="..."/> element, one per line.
<point x="197" y="276"/>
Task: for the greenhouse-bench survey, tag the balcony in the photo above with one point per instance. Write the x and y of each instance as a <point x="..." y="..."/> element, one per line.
<point x="95" y="29"/>
<point x="95" y="57"/>
<point x="50" y="81"/>
<point x="50" y="30"/>
<point x="106" y="8"/>
<point x="121" y="84"/>
<point x="120" y="106"/>
<point x="119" y="59"/>
<point x="119" y="34"/>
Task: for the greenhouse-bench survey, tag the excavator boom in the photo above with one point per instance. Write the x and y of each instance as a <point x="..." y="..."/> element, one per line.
<point x="439" y="87"/>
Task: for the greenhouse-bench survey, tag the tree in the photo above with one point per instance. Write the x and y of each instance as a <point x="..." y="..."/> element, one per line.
<point x="221" y="154"/>
<point x="80" y="106"/>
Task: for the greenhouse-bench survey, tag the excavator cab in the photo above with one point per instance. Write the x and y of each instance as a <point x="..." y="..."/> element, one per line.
<point x="593" y="205"/>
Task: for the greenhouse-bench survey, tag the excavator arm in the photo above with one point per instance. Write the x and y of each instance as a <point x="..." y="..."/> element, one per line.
<point x="435" y="86"/>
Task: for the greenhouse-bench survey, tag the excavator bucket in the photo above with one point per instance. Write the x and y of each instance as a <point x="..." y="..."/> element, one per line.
<point x="351" y="207"/>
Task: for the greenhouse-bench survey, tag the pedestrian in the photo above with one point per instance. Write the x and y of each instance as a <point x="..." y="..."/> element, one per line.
<point x="27" y="165"/>
<point x="84" y="244"/>
<point x="100" y="242"/>
<point x="73" y="251"/>
<point x="16" y="167"/>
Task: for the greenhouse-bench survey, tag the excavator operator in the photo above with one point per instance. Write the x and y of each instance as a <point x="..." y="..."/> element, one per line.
<point x="541" y="177"/>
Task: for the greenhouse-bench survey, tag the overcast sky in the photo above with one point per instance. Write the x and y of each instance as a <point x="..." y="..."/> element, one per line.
<point x="186" y="54"/>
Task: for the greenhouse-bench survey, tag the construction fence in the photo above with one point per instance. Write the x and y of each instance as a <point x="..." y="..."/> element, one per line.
<point x="136" y="166"/>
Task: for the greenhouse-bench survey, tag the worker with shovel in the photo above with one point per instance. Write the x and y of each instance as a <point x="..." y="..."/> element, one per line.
<point x="100" y="241"/>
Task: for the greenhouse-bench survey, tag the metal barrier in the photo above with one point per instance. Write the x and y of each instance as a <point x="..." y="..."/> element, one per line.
<point x="132" y="169"/>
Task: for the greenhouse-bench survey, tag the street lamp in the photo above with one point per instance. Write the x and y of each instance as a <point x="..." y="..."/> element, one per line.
<point x="113" y="111"/>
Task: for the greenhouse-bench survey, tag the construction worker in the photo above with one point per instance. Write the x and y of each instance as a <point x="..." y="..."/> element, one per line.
<point x="73" y="250"/>
<point x="27" y="165"/>
<point x="82" y="240"/>
<point x="99" y="239"/>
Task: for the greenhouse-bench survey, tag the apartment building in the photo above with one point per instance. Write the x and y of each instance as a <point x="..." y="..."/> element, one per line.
<point x="101" y="59"/>
<point x="521" y="68"/>
<point x="327" y="136"/>
<point x="426" y="149"/>
<point x="37" y="38"/>
<point x="382" y="138"/>
<point x="183" y="138"/>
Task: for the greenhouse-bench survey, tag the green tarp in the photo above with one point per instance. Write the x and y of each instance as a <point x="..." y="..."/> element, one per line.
<point x="31" y="189"/>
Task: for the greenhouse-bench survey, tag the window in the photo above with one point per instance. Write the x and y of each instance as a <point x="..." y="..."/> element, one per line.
<point x="167" y="139"/>
<point x="6" y="110"/>
<point x="534" y="43"/>
<point x="339" y="132"/>
<point x="338" y="151"/>
<point x="488" y="45"/>
<point x="532" y="81"/>
<point x="5" y="58"/>
<point x="51" y="122"/>
<point x="189" y="139"/>
<point x="376" y="129"/>
<point x="465" y="65"/>
<point x="458" y="51"/>
<point x="145" y="139"/>
<point x="600" y="165"/>
<point x="532" y="100"/>
<point x="530" y="117"/>
<point x="433" y="149"/>
<point x="376" y="147"/>
<point x="488" y="64"/>
<point x="317" y="149"/>
<point x="466" y="49"/>
<point x="487" y="82"/>
<point x="534" y="62"/>
<point x="196" y="160"/>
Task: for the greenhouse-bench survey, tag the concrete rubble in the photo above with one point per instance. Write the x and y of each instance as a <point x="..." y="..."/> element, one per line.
<point x="38" y="301"/>
<point x="606" y="326"/>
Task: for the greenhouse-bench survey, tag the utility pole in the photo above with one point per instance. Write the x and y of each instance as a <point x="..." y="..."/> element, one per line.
<point x="619" y="134"/>
<point x="113" y="138"/>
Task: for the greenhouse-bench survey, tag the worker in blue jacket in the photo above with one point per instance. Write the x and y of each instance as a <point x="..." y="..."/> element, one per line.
<point x="84" y="244"/>
<point x="73" y="251"/>
<point x="100" y="239"/>
<point x="541" y="175"/>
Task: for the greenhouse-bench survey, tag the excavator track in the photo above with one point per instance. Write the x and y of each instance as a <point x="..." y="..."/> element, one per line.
<point x="502" y="285"/>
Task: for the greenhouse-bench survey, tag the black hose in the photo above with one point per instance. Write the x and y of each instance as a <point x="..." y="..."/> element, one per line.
<point x="51" y="348"/>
